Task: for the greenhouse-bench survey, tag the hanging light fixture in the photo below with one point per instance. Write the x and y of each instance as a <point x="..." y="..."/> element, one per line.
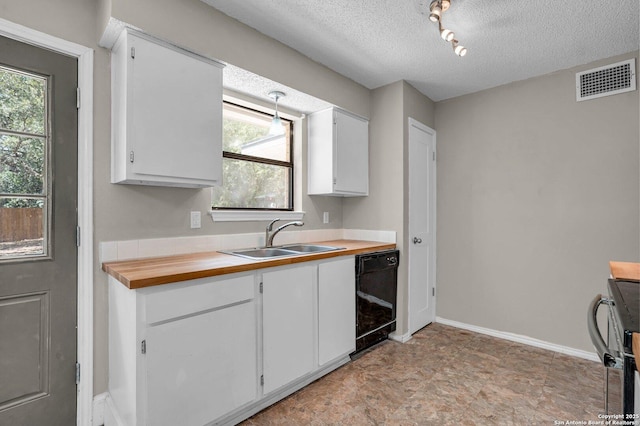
<point x="436" y="9"/>
<point x="276" y="127"/>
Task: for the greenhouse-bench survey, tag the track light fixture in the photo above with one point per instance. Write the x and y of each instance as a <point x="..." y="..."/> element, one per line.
<point x="459" y="49"/>
<point x="436" y="9"/>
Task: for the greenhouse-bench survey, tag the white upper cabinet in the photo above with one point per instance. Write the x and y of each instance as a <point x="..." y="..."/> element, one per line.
<point x="338" y="161"/>
<point x="166" y="111"/>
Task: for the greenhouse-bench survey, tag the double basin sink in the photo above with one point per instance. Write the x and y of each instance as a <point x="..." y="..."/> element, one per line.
<point x="287" y="250"/>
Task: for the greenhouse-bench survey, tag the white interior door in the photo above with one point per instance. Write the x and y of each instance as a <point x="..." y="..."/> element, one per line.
<point x="422" y="236"/>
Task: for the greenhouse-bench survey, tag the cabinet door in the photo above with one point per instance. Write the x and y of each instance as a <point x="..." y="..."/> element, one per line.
<point x="201" y="367"/>
<point x="289" y="336"/>
<point x="336" y="309"/>
<point x="351" y="154"/>
<point x="175" y="102"/>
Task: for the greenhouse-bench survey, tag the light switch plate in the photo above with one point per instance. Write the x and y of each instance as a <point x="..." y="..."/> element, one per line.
<point x="196" y="221"/>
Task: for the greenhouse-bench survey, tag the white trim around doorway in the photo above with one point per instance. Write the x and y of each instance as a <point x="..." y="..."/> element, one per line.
<point x="85" y="201"/>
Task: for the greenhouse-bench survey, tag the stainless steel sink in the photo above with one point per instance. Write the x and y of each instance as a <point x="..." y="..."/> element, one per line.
<point x="288" y="250"/>
<point x="309" y="248"/>
<point x="261" y="253"/>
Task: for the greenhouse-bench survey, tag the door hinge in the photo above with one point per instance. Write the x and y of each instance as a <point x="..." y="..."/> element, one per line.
<point x="434" y="156"/>
<point x="143" y="347"/>
<point x="77" y="373"/>
<point x="433" y="291"/>
<point x="77" y="98"/>
<point x="133" y="53"/>
<point x="78" y="236"/>
<point x="261" y="288"/>
<point x="262" y="380"/>
<point x="131" y="157"/>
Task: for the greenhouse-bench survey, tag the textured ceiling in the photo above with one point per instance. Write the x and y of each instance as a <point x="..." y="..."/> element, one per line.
<point x="256" y="86"/>
<point x="377" y="42"/>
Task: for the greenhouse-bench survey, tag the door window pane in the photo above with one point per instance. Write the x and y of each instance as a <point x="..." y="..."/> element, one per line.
<point x="24" y="140"/>
<point x="22" y="225"/>
<point x="22" y="102"/>
<point x="21" y="165"/>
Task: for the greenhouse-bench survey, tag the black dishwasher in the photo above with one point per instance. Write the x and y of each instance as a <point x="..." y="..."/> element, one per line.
<point x="376" y="294"/>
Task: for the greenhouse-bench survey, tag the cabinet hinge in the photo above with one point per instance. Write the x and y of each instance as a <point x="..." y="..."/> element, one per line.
<point x="334" y="181"/>
<point x="133" y="53"/>
<point x="77" y="98"/>
<point x="78" y="236"/>
<point x="143" y="347"/>
<point x="131" y="157"/>
<point x="77" y="373"/>
<point x="261" y="288"/>
<point x="262" y="380"/>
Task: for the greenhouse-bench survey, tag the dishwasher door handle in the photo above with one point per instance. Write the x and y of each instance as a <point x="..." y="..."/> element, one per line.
<point x="608" y="359"/>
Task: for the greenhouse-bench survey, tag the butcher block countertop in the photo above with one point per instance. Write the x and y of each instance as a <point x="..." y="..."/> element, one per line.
<point x="153" y="271"/>
<point x="626" y="271"/>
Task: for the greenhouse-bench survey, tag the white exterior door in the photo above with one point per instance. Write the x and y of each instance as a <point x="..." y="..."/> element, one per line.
<point x="422" y="236"/>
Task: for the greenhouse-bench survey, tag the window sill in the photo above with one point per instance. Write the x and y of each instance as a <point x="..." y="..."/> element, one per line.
<point x="253" y="215"/>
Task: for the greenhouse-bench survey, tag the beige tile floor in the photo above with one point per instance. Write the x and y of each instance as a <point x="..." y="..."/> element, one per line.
<point x="447" y="376"/>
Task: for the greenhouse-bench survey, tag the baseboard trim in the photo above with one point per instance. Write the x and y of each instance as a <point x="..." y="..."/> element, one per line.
<point x="591" y="356"/>
<point x="99" y="403"/>
<point x="402" y="338"/>
<point x="104" y="412"/>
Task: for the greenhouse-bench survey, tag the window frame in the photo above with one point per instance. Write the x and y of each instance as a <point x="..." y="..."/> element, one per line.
<point x="262" y="160"/>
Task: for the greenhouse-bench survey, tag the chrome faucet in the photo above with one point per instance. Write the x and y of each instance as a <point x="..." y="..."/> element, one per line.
<point x="268" y="236"/>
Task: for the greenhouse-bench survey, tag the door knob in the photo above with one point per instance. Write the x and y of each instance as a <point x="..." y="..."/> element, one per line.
<point x="417" y="240"/>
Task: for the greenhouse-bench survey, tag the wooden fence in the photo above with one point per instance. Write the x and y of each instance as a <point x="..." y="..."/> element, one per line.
<point x="17" y="224"/>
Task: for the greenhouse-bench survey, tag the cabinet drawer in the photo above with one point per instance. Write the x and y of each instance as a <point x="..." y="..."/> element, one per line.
<point x="180" y="299"/>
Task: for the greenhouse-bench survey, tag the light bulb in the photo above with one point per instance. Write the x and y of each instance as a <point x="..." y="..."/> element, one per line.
<point x="460" y="50"/>
<point x="276" y="127"/>
<point x="436" y="12"/>
<point x="447" y="35"/>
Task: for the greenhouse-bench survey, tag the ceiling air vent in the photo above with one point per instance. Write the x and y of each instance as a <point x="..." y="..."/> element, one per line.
<point x="604" y="81"/>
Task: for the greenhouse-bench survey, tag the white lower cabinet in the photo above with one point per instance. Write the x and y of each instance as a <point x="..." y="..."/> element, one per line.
<point x="201" y="367"/>
<point x="184" y="353"/>
<point x="196" y="352"/>
<point x="336" y="309"/>
<point x="288" y="325"/>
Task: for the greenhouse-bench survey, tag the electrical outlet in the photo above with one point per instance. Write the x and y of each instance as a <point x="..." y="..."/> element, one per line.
<point x="325" y="217"/>
<point x="195" y="220"/>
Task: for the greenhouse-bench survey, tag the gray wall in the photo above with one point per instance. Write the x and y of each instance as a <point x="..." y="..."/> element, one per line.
<point x="536" y="193"/>
<point x="386" y="207"/>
